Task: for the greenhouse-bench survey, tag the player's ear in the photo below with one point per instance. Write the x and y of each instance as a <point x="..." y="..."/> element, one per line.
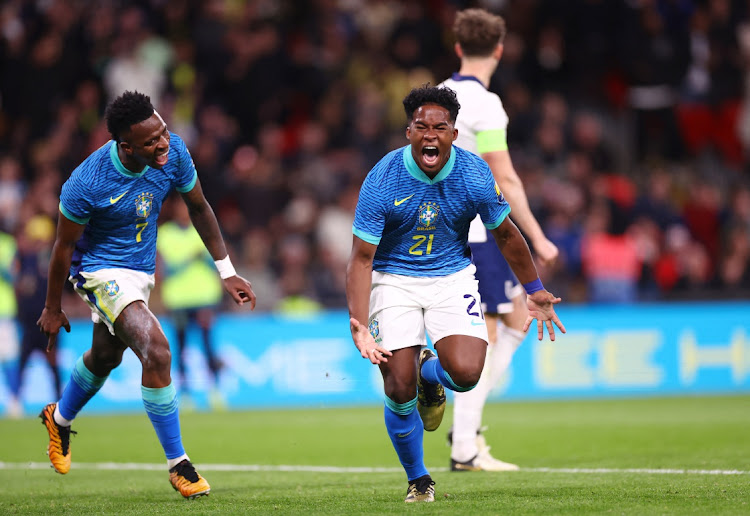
<point x="498" y="52"/>
<point x="126" y="147"/>
<point x="408" y="132"/>
<point x="455" y="134"/>
<point x="458" y="50"/>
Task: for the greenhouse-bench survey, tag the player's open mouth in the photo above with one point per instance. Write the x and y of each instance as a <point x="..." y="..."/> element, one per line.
<point x="161" y="159"/>
<point x="430" y="155"/>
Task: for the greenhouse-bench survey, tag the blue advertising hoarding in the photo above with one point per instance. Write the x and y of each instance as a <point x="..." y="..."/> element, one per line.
<point x="271" y="361"/>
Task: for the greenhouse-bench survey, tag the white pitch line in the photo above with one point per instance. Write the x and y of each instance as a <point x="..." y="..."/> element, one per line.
<point x="132" y="466"/>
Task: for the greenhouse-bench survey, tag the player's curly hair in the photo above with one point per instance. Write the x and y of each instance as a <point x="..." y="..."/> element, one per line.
<point x="478" y="31"/>
<point x="126" y="110"/>
<point x="426" y="94"/>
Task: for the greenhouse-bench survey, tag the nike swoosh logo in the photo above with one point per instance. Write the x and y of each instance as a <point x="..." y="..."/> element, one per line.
<point x="475" y="323"/>
<point x="396" y="202"/>
<point x="407" y="433"/>
<point x="113" y="200"/>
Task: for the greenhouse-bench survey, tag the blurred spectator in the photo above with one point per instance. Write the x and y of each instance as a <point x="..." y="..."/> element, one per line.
<point x="191" y="291"/>
<point x="30" y="282"/>
<point x="298" y="298"/>
<point x="655" y="53"/>
<point x="8" y="310"/>
<point x="610" y="262"/>
<point x="11" y="192"/>
<point x="255" y="262"/>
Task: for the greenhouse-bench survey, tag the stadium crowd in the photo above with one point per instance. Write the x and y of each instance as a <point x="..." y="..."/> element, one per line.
<point x="629" y="125"/>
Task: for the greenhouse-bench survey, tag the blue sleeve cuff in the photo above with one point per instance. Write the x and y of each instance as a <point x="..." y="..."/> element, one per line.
<point x="500" y="219"/>
<point x="190" y="185"/>
<point x="370" y="239"/>
<point x="70" y="216"/>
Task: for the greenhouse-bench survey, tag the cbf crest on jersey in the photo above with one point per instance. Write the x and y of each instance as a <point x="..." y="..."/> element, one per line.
<point x="428" y="214"/>
<point x="143" y="204"/>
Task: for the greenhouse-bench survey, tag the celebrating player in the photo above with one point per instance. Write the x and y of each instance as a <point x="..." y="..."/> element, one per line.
<point x="410" y="272"/>
<point x="106" y="247"/>
<point x="481" y="130"/>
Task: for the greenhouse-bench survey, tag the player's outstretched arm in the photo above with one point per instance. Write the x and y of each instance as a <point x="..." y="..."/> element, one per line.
<point x="512" y="188"/>
<point x="53" y="318"/>
<point x="203" y="218"/>
<point x="358" y="284"/>
<point x="540" y="302"/>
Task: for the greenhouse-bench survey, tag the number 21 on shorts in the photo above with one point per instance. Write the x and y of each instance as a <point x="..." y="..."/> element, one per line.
<point x="474" y="309"/>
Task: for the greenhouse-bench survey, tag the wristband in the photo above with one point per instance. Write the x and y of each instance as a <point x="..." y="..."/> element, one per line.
<point x="533" y="286"/>
<point x="225" y="268"/>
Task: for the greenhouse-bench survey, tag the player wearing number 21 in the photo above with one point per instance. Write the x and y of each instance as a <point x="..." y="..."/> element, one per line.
<point x="410" y="274"/>
<point x="106" y="247"/>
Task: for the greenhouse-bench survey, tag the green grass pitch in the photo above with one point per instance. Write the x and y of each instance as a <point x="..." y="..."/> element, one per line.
<point x="645" y="456"/>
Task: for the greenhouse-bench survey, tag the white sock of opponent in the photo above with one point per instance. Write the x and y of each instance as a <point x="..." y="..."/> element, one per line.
<point x="468" y="406"/>
<point x="508" y="341"/>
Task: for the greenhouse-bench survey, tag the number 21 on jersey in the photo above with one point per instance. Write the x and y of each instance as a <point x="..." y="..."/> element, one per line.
<point x="421" y="239"/>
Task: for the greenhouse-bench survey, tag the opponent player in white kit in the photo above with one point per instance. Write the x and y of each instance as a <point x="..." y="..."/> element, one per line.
<point x="410" y="272"/>
<point x="482" y="128"/>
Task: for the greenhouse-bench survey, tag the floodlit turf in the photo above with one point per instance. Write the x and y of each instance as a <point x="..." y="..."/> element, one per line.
<point x="611" y="437"/>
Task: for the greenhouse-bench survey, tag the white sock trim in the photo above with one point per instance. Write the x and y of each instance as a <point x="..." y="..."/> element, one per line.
<point x="173" y="462"/>
<point x="59" y="419"/>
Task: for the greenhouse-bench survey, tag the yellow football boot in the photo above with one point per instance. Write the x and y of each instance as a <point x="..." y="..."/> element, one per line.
<point x="58" y="448"/>
<point x="187" y="481"/>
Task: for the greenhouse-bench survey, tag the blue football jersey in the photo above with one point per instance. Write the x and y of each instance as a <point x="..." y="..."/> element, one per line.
<point x="120" y="208"/>
<point x="421" y="225"/>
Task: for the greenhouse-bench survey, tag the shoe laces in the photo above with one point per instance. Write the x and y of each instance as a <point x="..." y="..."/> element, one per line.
<point x="186" y="470"/>
<point x="65" y="432"/>
<point x="422" y="484"/>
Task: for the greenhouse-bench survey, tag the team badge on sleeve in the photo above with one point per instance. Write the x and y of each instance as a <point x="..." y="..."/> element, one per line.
<point x="428" y="214"/>
<point x="143" y="204"/>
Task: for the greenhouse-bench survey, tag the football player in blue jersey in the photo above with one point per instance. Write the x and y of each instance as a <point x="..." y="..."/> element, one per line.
<point x="410" y="274"/>
<point x="106" y="247"/>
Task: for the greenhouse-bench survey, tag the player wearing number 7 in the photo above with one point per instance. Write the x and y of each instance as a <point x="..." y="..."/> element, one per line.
<point x="410" y="273"/>
<point x="106" y="247"/>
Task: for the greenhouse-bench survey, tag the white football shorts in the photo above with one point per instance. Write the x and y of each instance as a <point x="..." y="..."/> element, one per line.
<point x="109" y="291"/>
<point x="404" y="309"/>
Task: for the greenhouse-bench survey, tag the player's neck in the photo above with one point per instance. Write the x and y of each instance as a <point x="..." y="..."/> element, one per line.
<point x="132" y="165"/>
<point x="480" y="67"/>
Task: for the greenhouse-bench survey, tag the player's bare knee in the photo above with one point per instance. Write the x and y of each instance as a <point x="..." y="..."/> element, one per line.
<point x="399" y="390"/>
<point x="105" y="359"/>
<point x="465" y="377"/>
<point x="156" y="357"/>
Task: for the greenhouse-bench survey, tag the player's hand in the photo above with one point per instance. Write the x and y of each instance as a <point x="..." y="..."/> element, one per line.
<point x="50" y="323"/>
<point x="240" y="290"/>
<point x="366" y="344"/>
<point x="541" y="307"/>
<point x="546" y="251"/>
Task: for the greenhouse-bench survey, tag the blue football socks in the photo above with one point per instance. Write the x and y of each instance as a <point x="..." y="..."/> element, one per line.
<point x="161" y="407"/>
<point x="406" y="431"/>
<point x="81" y="388"/>
<point x="433" y="372"/>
